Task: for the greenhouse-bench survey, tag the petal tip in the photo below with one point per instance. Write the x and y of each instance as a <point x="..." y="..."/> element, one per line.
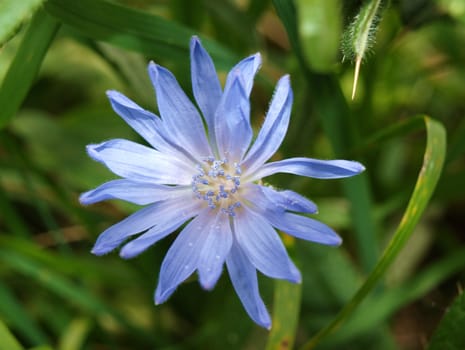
<point x="153" y="69"/>
<point x="112" y="93"/>
<point x="93" y="152"/>
<point x="264" y="321"/>
<point x="126" y="253"/>
<point x="99" y="250"/>
<point x="337" y="241"/>
<point x="162" y="296"/>
<point x="84" y="198"/>
<point x="195" y="41"/>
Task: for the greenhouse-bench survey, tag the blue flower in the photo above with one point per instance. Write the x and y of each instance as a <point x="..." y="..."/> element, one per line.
<point x="210" y="181"/>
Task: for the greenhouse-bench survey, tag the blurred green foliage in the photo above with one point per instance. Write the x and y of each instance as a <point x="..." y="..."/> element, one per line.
<point x="58" y="57"/>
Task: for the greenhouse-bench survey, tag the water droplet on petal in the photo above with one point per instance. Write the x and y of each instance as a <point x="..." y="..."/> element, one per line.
<point x="190" y="244"/>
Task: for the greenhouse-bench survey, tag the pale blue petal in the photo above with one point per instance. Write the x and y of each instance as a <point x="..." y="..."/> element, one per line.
<point x="316" y="168"/>
<point x="172" y="215"/>
<point x="274" y="128"/>
<point x="145" y="123"/>
<point x="232" y="122"/>
<point x="272" y="209"/>
<point x="305" y="228"/>
<point x="183" y="257"/>
<point x="244" y="279"/>
<point x="289" y="200"/>
<point x="218" y="241"/>
<point x="205" y="83"/>
<point x="148" y="125"/>
<point x="141" y="193"/>
<point x="157" y="214"/>
<point x="247" y="68"/>
<point x="266" y="199"/>
<point x="140" y="163"/>
<point x="113" y="236"/>
<point x="262" y="245"/>
<point x="178" y="113"/>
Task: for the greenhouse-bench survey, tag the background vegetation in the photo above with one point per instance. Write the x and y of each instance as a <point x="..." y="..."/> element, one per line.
<point x="402" y="262"/>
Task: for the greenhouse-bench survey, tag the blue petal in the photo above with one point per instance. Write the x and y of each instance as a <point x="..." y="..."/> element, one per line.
<point x="305" y="228"/>
<point x="148" y="125"/>
<point x="205" y="83"/>
<point x="264" y="202"/>
<point x="157" y="214"/>
<point x="244" y="279"/>
<point x="172" y="216"/>
<point x="145" y="123"/>
<point x="261" y="243"/>
<point x="140" y="163"/>
<point x="184" y="255"/>
<point x="178" y="112"/>
<point x="274" y="128"/>
<point x="247" y="68"/>
<point x="131" y="191"/>
<point x="218" y="241"/>
<point x="113" y="236"/>
<point x="320" y="169"/>
<point x="289" y="200"/>
<point x="232" y="124"/>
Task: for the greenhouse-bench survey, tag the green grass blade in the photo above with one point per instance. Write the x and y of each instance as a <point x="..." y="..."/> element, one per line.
<point x="7" y="340"/>
<point x="393" y="299"/>
<point x="26" y="64"/>
<point x="449" y="334"/>
<point x="12" y="14"/>
<point x="73" y="338"/>
<point x="426" y="183"/>
<point x="132" y="29"/>
<point x="71" y="292"/>
<point x="285" y="315"/>
<point x="11" y="309"/>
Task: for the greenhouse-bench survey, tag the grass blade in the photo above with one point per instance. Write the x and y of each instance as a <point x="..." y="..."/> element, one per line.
<point x="426" y="183"/>
<point x="26" y="64"/>
<point x="12" y="14"/>
<point x="285" y="315"/>
<point x="133" y="29"/>
<point x="8" y="341"/>
<point x="18" y="319"/>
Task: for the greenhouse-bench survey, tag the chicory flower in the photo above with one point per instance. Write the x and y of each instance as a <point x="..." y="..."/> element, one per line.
<point x="204" y="172"/>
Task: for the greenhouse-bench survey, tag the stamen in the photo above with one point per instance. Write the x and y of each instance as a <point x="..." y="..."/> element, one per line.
<point x="217" y="182"/>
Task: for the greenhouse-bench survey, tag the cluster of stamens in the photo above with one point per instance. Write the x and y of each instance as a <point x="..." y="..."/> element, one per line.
<point x="215" y="184"/>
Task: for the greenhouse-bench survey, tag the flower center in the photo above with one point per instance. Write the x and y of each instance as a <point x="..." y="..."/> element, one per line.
<point x="217" y="182"/>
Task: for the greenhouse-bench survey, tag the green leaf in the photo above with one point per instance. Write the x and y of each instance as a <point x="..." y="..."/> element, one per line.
<point x="7" y="340"/>
<point x="12" y="14"/>
<point x="285" y="315"/>
<point x="449" y="335"/>
<point x="26" y="64"/>
<point x="319" y="25"/>
<point x="426" y="183"/>
<point x="133" y="29"/>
